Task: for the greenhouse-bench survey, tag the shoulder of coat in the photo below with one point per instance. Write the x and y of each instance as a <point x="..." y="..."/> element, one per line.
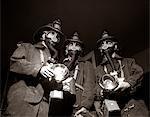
<point x="128" y="59"/>
<point x="21" y="43"/>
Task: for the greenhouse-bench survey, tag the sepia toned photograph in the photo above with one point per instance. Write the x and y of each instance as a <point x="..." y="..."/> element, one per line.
<point x="74" y="58"/>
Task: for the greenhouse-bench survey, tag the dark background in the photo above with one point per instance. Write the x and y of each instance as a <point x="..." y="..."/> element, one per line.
<point x="127" y="20"/>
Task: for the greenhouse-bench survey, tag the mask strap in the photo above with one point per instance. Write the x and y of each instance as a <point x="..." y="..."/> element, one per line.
<point x="122" y="73"/>
<point x="41" y="56"/>
<point x="105" y="69"/>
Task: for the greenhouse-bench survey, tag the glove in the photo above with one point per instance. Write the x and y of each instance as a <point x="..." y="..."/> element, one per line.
<point x="66" y="84"/>
<point x="83" y="112"/>
<point x="78" y="113"/>
<point x="122" y="85"/>
<point x="69" y="85"/>
<point x="47" y="72"/>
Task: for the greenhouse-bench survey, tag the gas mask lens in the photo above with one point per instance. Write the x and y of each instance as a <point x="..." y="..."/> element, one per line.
<point x="104" y="45"/>
<point x="74" y="46"/>
<point x="53" y="36"/>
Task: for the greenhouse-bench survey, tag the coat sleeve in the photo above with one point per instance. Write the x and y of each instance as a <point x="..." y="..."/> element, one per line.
<point x="136" y="74"/>
<point x="89" y="85"/>
<point x="19" y="63"/>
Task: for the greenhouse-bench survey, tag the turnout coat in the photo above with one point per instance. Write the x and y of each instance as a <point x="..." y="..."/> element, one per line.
<point x="133" y="74"/>
<point x="86" y="78"/>
<point x="26" y="97"/>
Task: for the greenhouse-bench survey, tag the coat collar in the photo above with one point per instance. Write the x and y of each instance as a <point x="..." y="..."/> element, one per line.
<point x="40" y="45"/>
